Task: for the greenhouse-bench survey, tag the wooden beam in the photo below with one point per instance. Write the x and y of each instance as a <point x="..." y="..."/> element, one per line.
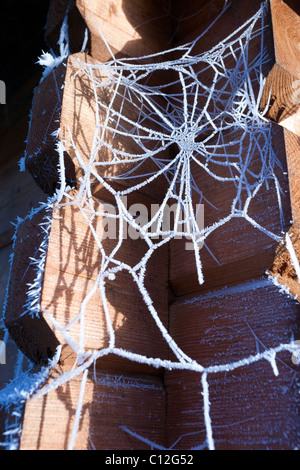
<point x="237" y="250"/>
<point x="41" y="156"/>
<point x="250" y="408"/>
<point x="113" y="403"/>
<point x="283" y="268"/>
<point x="79" y="105"/>
<point x="131" y="28"/>
<point x="280" y="101"/>
<point x="63" y="103"/>
<point x="71" y="270"/>
<point x="193" y="15"/>
<point x="212" y="327"/>
<point x="66" y="110"/>
<point x="31" y="335"/>
<point x="218" y="325"/>
<point x="282" y="94"/>
<point x="286" y="21"/>
<point x="286" y="30"/>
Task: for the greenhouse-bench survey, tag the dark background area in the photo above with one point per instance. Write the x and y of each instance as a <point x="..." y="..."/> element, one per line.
<point x="22" y="30"/>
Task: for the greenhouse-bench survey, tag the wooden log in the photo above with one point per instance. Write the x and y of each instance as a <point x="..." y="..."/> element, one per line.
<point x="41" y="143"/>
<point x="282" y="86"/>
<point x="280" y="101"/>
<point x="285" y="19"/>
<point x="237" y="250"/>
<point x="225" y="333"/>
<point x="286" y="23"/>
<point x="112" y="404"/>
<point x="284" y="268"/>
<point x="218" y="26"/>
<point x="53" y="110"/>
<point x="131" y="28"/>
<point x="71" y="269"/>
<point x="79" y="104"/>
<point x="192" y="16"/>
<point x="22" y="273"/>
<point x="18" y="193"/>
<point x="250" y="408"/>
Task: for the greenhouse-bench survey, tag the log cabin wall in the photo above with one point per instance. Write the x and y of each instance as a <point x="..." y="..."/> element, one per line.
<point x="235" y="313"/>
<point x="236" y="306"/>
<point x="121" y="394"/>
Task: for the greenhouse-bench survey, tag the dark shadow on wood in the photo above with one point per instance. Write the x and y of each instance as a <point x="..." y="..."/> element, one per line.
<point x="294" y="5"/>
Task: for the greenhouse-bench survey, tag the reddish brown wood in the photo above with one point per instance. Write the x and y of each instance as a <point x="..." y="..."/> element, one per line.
<point x="78" y="129"/>
<point x="131" y="27"/>
<point x="286" y="24"/>
<point x="41" y="156"/>
<point x="282" y="85"/>
<point x="281" y="99"/>
<point x="250" y="407"/>
<point x="71" y="269"/>
<point x="66" y="108"/>
<point x="112" y="402"/>
<point x="236" y="251"/>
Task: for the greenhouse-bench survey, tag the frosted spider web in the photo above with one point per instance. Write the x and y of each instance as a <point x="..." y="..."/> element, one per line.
<point x="197" y="132"/>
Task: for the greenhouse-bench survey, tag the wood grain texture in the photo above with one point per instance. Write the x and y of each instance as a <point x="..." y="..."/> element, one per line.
<point x="283" y="268"/>
<point x="282" y="86"/>
<point x="292" y="143"/>
<point x="286" y="21"/>
<point x="78" y="128"/>
<point x="112" y="402"/>
<point x="72" y="109"/>
<point x="237" y="250"/>
<point x="41" y="155"/>
<point x="71" y="270"/>
<point x="280" y="101"/>
<point x="132" y="28"/>
<point x="250" y="407"/>
<point x="286" y="27"/>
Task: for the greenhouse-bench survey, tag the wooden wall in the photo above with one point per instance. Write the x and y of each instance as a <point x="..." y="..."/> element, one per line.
<point x="236" y="310"/>
<point x="236" y="313"/>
